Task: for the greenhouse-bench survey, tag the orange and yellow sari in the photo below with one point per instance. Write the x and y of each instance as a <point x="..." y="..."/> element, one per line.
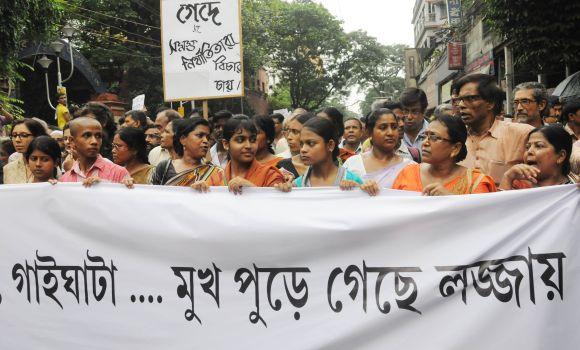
<point x="208" y="173"/>
<point x="472" y="181"/>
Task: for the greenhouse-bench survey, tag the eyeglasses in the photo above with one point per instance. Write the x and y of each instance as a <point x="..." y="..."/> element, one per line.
<point x="21" y="136"/>
<point x="435" y="138"/>
<point x="116" y="146"/>
<point x="153" y="136"/>
<point x="524" y="102"/>
<point x="466" y="99"/>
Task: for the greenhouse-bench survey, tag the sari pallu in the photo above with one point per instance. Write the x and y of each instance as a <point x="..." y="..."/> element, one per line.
<point x="143" y="175"/>
<point x="208" y="173"/>
<point x="472" y="181"/>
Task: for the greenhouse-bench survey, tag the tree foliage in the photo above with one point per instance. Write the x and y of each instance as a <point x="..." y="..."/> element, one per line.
<point x="377" y="66"/>
<point x="308" y="51"/>
<point x="122" y="41"/>
<point x="280" y="97"/>
<point x="23" y="22"/>
<point x="543" y="34"/>
<point x="312" y="57"/>
<point x="378" y="69"/>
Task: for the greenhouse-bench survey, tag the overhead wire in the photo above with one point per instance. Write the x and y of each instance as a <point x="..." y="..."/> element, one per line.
<point x="114" y="17"/>
<point x="146" y="7"/>
<point x="127" y="53"/>
<point x="118" y="28"/>
<point x="121" y="40"/>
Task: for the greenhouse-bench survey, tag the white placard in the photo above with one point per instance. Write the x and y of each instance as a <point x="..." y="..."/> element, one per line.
<point x="201" y="49"/>
<point x="284" y="112"/>
<point x="138" y="103"/>
<point x="170" y="268"/>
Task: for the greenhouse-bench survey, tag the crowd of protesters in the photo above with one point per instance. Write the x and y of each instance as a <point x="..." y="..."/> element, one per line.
<point x="465" y="147"/>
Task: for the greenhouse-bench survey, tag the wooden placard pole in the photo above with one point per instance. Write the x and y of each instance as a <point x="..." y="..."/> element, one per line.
<point x="205" y="110"/>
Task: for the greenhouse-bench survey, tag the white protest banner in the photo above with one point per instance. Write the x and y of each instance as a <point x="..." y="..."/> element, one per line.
<point x="201" y="49"/>
<point x="138" y="103"/>
<point x="169" y="268"/>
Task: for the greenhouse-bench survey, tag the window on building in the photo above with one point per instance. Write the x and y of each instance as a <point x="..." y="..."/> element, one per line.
<point x="485" y="30"/>
<point x="412" y="67"/>
<point x="442" y="12"/>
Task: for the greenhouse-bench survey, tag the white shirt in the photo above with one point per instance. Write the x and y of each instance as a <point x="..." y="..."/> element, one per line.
<point x="281" y="146"/>
<point x="157" y="155"/>
<point x="215" y="159"/>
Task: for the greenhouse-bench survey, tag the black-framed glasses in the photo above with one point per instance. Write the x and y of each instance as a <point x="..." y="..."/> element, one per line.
<point x="435" y="138"/>
<point x="21" y="136"/>
<point x="466" y="99"/>
<point x="524" y="102"/>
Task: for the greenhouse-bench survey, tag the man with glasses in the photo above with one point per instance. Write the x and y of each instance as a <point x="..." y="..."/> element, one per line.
<point x="152" y="137"/>
<point x="493" y="146"/>
<point x="530" y="102"/>
<point x="414" y="103"/>
<point x="163" y="117"/>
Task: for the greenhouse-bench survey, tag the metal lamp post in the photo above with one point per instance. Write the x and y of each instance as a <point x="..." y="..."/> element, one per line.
<point x="57" y="46"/>
<point x="45" y="62"/>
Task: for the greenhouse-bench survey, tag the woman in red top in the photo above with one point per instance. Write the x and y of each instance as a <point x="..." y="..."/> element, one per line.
<point x="439" y="174"/>
<point x="242" y="169"/>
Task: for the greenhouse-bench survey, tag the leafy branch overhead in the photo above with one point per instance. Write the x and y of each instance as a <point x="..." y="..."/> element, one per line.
<point x="544" y="34"/>
<point x="23" y="22"/>
<point x="299" y="42"/>
<point x="311" y="55"/>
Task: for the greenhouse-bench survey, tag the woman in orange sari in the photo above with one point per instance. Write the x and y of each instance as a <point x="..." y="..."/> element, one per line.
<point x="439" y="174"/>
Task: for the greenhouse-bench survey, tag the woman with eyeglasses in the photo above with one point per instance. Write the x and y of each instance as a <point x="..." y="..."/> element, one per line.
<point x="439" y="174"/>
<point x="546" y="161"/>
<point x="130" y="151"/>
<point x="23" y="132"/>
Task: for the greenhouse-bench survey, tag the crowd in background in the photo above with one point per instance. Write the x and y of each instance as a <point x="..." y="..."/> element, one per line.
<point x="467" y="146"/>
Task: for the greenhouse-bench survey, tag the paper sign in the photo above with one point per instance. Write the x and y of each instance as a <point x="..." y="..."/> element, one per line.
<point x="138" y="103"/>
<point x="201" y="49"/>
